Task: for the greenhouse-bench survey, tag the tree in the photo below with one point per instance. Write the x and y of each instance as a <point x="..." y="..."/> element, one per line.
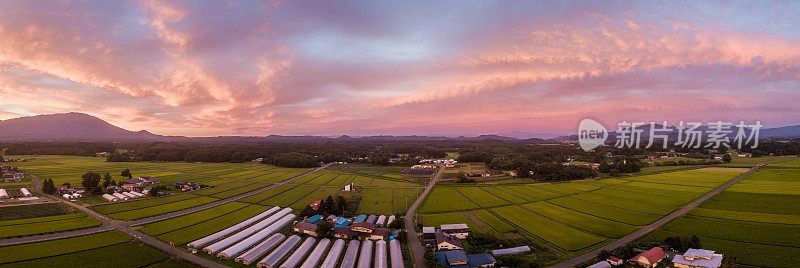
<point x="90" y="181"/>
<point x="324" y="229"/>
<point x="126" y="173"/>
<point x="726" y="158"/>
<point x="614" y="172"/>
<point x="106" y="180"/>
<point x="48" y="186"/>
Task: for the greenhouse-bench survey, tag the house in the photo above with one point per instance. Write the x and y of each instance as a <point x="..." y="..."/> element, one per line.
<point x="428" y="233"/>
<point x="601" y="264"/>
<point x="130" y="187"/>
<point x="306" y="228"/>
<point x="350" y="187"/>
<point x="343" y="233"/>
<point x="445" y="241"/>
<point x="136" y="182"/>
<point x="481" y="260"/>
<point x="453" y="258"/>
<point x="315" y="205"/>
<point x="314" y="219"/>
<point x="614" y="261"/>
<point x="649" y="258"/>
<point x="696" y="258"/>
<point x="362" y="227"/>
<point x="378" y="233"/>
<point x="460" y="230"/>
<point x="147" y="180"/>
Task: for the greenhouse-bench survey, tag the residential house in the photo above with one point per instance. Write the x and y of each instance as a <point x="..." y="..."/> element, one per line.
<point x="306" y="228"/>
<point x="349" y="187"/>
<point x="362" y="227"/>
<point x="481" y="260"/>
<point x="614" y="261"/>
<point x="649" y="258"/>
<point x="445" y="241"/>
<point x="315" y="205"/>
<point x="459" y="230"/>
<point x="344" y="233"/>
<point x="452" y="258"/>
<point x="697" y="258"/>
<point x="378" y="233"/>
<point x="130" y="186"/>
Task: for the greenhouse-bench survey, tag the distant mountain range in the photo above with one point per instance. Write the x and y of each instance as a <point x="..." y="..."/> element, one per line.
<point x="84" y="127"/>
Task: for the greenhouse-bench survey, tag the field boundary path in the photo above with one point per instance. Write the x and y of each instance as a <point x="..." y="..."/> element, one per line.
<point x="417" y="250"/>
<point x="633" y="236"/>
<point x="109" y="224"/>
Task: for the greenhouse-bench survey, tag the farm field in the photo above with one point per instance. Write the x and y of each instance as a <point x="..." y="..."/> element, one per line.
<point x="51" y="248"/>
<point x="574" y="216"/>
<point x="387" y="201"/>
<point x="161" y="209"/>
<point x="8" y="213"/>
<point x="47" y="224"/>
<point x="194" y="229"/>
<point x="760" y="213"/>
<point x="68" y="169"/>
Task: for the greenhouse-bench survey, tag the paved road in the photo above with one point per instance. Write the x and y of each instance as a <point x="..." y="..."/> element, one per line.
<point x="417" y="250"/>
<point x="109" y="224"/>
<point x="631" y="237"/>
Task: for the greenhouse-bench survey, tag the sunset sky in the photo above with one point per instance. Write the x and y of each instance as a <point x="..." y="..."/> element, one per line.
<point x="207" y="68"/>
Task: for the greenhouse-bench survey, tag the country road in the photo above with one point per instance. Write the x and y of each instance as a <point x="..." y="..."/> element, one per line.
<point x="635" y="235"/>
<point x="109" y="224"/>
<point x="417" y="250"/>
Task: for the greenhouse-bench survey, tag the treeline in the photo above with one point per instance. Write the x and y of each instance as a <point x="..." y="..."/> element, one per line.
<point x="543" y="162"/>
<point x="58" y="148"/>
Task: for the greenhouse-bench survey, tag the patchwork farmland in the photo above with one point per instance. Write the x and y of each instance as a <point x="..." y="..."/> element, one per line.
<point x="571" y="216"/>
<point x="756" y="222"/>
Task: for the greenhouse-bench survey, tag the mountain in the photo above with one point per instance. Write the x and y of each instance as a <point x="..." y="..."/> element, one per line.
<point x="68" y="127"/>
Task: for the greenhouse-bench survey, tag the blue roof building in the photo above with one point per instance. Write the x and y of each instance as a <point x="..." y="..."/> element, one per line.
<point x="452" y="258"/>
<point x="360" y="218"/>
<point x="341" y="222"/>
<point x="481" y="260"/>
<point x="315" y="219"/>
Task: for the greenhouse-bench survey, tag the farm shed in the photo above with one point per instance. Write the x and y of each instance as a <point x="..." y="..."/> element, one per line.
<point x="365" y="258"/>
<point x="371" y="219"/>
<point x="246" y="243"/>
<point x="272" y="260"/>
<point x="120" y="196"/>
<point x="137" y="194"/>
<point x="306" y="228"/>
<point x="360" y="218"/>
<point x="351" y="255"/>
<point x="110" y="197"/>
<point x="380" y="254"/>
<point x="316" y="254"/>
<point x="390" y="220"/>
<point x="342" y="233"/>
<point x="341" y="222"/>
<point x="3" y="193"/>
<point x="219" y="235"/>
<point x="378" y="233"/>
<point x="506" y="251"/>
<point x="459" y="230"/>
<point x="649" y="258"/>
<point x="481" y="260"/>
<point x="381" y="221"/>
<point x="333" y="255"/>
<point x="25" y="192"/>
<point x="315" y="219"/>
<point x="601" y="264"/>
<point x="129" y="195"/>
<point x="253" y="254"/>
<point x="428" y="233"/>
<point x="395" y="253"/>
<point x="67" y="196"/>
<point x="224" y="243"/>
<point x="300" y="253"/>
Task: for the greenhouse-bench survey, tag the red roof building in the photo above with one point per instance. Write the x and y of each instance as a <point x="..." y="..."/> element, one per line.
<point x="649" y="258"/>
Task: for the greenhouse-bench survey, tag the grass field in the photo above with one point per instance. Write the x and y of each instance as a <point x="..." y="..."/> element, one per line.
<point x="176" y="223"/>
<point x="161" y="209"/>
<point x="760" y="213"/>
<point x="387" y="201"/>
<point x="119" y="255"/>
